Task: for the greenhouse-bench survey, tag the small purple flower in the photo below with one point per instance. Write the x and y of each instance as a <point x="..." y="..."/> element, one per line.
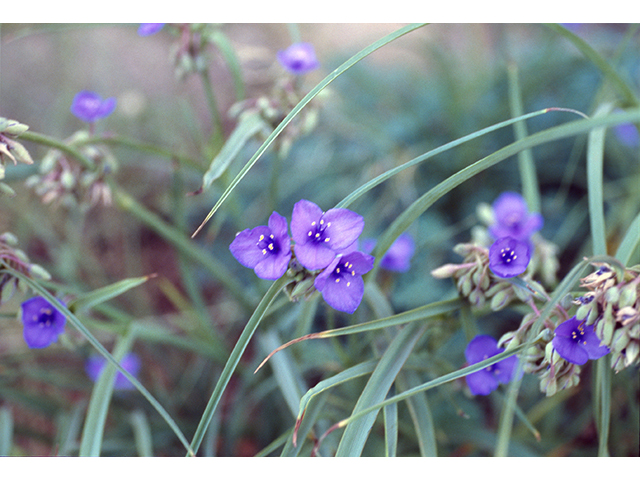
<point x="89" y="106"/>
<point x="319" y="235"/>
<point x="42" y="323"/>
<point x="265" y="249"/>
<point x="628" y="134"/>
<point x="299" y="58"/>
<point x="577" y="343"/>
<point x="146" y="29"/>
<point x="485" y="381"/>
<point x="130" y="362"/>
<point x="508" y="257"/>
<point x="513" y="218"/>
<point x="341" y="282"/>
<point x="398" y="257"/>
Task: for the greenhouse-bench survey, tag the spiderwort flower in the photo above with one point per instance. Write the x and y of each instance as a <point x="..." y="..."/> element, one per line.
<point x="398" y="257"/>
<point x="146" y="29"/>
<point x="577" y="343"/>
<point x="485" y="381"/>
<point x="627" y="133"/>
<point x="299" y="58"/>
<point x="508" y="257"/>
<point x="266" y="249"/>
<point x="512" y="218"/>
<point x="319" y="235"/>
<point x="341" y="283"/>
<point x="42" y="323"/>
<point x="130" y="362"/>
<point x="89" y="106"/>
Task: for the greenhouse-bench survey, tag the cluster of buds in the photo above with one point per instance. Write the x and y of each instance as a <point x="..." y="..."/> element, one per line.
<point x="13" y="257"/>
<point x="188" y="53"/>
<point x="61" y="180"/>
<point x="612" y="306"/>
<point x="10" y="148"/>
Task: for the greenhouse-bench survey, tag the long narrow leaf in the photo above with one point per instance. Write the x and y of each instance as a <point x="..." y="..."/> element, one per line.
<point x="96" y="297"/>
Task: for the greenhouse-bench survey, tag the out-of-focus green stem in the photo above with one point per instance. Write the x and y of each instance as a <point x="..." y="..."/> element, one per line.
<point x="54" y="143"/>
<point x="218" y="132"/>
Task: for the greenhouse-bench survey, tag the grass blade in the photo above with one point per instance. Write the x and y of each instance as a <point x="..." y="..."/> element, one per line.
<point x="390" y="418"/>
<point x="96" y="297"/>
<point x="6" y="431"/>
<point x="630" y="242"/>
<point x="141" y="433"/>
<point x="421" y="415"/>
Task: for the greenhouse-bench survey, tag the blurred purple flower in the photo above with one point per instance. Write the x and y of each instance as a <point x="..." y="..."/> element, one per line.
<point x="628" y="134"/>
<point x="341" y="283"/>
<point x="130" y="362"/>
<point x="265" y="249"/>
<point x="299" y="58"/>
<point x="508" y="257"/>
<point x="89" y="106"/>
<point x="398" y="257"/>
<point x="513" y="219"/>
<point x="42" y="323"/>
<point x="485" y="381"/>
<point x="319" y="235"/>
<point x="146" y="29"/>
<point x="577" y="343"/>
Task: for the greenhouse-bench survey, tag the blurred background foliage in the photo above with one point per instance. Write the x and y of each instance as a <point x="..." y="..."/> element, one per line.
<point x="419" y="92"/>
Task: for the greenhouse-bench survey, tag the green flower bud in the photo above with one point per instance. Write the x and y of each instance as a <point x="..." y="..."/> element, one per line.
<point x="501" y="300"/>
<point x="628" y="295"/>
<point x="612" y="295"/>
<point x="620" y="340"/>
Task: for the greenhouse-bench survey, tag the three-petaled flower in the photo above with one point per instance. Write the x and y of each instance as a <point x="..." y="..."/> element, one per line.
<point x="485" y="381"/>
<point x="42" y="323"/>
<point x="341" y="283"/>
<point x="512" y="218"/>
<point x="130" y="362"/>
<point x="89" y="106"/>
<point x="508" y="257"/>
<point x="266" y="249"/>
<point x="299" y="58"/>
<point x="319" y="236"/>
<point x="577" y="343"/>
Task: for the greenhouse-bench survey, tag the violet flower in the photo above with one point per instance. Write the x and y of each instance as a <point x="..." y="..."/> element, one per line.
<point x="513" y="219"/>
<point x="42" y="323"/>
<point x="266" y="249"/>
<point x="319" y="235"/>
<point x="130" y="362"/>
<point x="508" y="257"/>
<point x="628" y="134"/>
<point x="398" y="257"/>
<point x="577" y="343"/>
<point x="89" y="106"/>
<point x="485" y="381"/>
<point x="299" y="58"/>
<point x="146" y="29"/>
<point x="341" y="283"/>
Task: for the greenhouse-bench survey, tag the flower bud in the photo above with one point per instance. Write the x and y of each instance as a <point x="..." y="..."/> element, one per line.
<point x="631" y="353"/>
<point x="620" y="340"/>
<point x="612" y="295"/>
<point x="501" y="300"/>
<point x="628" y="295"/>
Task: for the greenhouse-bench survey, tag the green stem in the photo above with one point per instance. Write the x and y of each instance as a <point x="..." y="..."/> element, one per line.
<point x="218" y="129"/>
<point x="54" y="143"/>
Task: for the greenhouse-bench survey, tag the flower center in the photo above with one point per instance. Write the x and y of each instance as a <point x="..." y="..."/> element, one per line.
<point x="317" y="233"/>
<point x="577" y="334"/>
<point x="344" y="272"/>
<point x="268" y="244"/>
<point x="507" y="255"/>
<point x="44" y="318"/>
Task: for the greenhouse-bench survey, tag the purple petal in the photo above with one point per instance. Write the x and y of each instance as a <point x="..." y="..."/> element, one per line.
<point x="505" y="369"/>
<point x="305" y="213"/>
<point x="244" y="246"/>
<point x="343" y="227"/>
<point x="570" y="350"/>
<point x="42" y="322"/>
<point x="341" y="293"/>
<point x="146" y="29"/>
<point x="129" y="362"/>
<point x="481" y="348"/>
<point x="481" y="382"/>
<point x="361" y="262"/>
<point x="314" y="257"/>
<point x="278" y="225"/>
<point x="398" y="256"/>
<point x="299" y="58"/>
<point x="566" y="328"/>
<point x="89" y="106"/>
<point x="591" y="344"/>
<point x="107" y="108"/>
<point x="510" y="208"/>
<point x="508" y="257"/>
<point x="273" y="267"/>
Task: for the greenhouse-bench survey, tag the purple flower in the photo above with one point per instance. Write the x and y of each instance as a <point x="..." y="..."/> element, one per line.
<point x="576" y="342"/>
<point x="513" y="218"/>
<point x="146" y="29"/>
<point x="341" y="282"/>
<point x="398" y="257"/>
<point x="265" y="249"/>
<point x="508" y="257"/>
<point x="485" y="381"/>
<point x="42" y="323"/>
<point x="299" y="58"/>
<point x="129" y="362"/>
<point x="627" y="133"/>
<point x="89" y="106"/>
<point x="319" y="235"/>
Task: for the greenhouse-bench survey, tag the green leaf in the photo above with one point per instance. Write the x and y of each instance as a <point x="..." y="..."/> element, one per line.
<point x="6" y="431"/>
<point x="630" y="242"/>
<point x="421" y="415"/>
<point x="390" y="418"/>
<point x="89" y="300"/>
<point x="141" y="433"/>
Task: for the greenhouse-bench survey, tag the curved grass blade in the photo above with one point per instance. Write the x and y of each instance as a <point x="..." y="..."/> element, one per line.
<point x="420" y="313"/>
<point x="103" y="351"/>
<point x="307" y="98"/>
<point x="141" y="433"/>
<point x="356" y="434"/>
<point x="303" y="428"/>
<point x="96" y="297"/>
<point x="420" y="412"/>
<point x="630" y="242"/>
<point x="505" y="426"/>
<point x="234" y="358"/>
<point x="228" y="52"/>
<point x="390" y="418"/>
<point x="6" y="431"/>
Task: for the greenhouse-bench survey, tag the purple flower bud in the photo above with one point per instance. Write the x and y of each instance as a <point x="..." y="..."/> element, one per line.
<point x="265" y="249"/>
<point x="129" y="362"/>
<point x="512" y="218"/>
<point x="508" y="257"/>
<point x="42" y="323"/>
<point x="319" y="235"/>
<point x="89" y="106"/>
<point x="485" y="381"/>
<point x="577" y="343"/>
<point x="146" y="29"/>
<point x="299" y="58"/>
<point x="398" y="257"/>
<point x="341" y="282"/>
